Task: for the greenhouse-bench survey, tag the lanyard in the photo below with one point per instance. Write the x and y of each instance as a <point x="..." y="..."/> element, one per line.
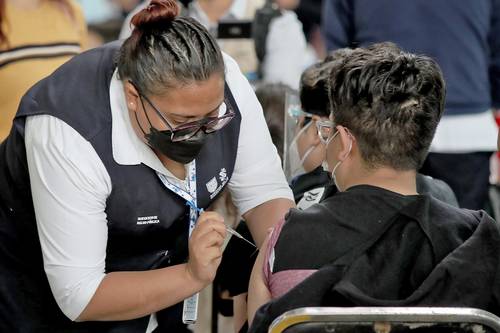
<point x="190" y="306"/>
<point x="189" y="196"/>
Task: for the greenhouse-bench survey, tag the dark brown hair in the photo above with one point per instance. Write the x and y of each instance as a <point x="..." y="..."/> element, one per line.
<point x="165" y="50"/>
<point x="63" y="4"/>
<point x="390" y="100"/>
<point x="313" y="86"/>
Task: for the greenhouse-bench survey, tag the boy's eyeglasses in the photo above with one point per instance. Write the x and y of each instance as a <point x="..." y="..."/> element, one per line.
<point x="326" y="130"/>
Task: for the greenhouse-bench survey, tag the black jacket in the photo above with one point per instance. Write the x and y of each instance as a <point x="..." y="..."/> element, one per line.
<point x="450" y="266"/>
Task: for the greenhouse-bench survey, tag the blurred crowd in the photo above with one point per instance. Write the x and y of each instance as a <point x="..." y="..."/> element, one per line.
<point x="285" y="38"/>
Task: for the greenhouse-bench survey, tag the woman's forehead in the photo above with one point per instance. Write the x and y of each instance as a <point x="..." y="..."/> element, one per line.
<point x="194" y="99"/>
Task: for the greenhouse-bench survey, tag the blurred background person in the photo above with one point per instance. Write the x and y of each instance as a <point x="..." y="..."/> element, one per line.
<point x="282" y="49"/>
<point x="306" y="168"/>
<point x="105" y="18"/>
<point x="309" y="14"/>
<point x="36" y="37"/>
<point x="285" y="55"/>
<point x="464" y="38"/>
<point x="99" y="11"/>
<point x="285" y="44"/>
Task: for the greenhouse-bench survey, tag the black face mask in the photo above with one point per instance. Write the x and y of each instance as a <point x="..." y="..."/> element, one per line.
<point x="181" y="151"/>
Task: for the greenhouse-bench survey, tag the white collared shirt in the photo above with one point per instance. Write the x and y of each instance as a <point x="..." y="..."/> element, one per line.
<point x="70" y="186"/>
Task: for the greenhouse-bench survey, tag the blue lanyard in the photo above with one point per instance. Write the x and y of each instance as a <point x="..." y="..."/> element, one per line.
<point x="189" y="196"/>
<point x="190" y="306"/>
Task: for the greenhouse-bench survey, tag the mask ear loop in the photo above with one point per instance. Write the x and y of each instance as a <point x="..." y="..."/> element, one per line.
<point x="137" y="118"/>
<point x="302" y="130"/>
<point x="306" y="155"/>
<point x="151" y="128"/>
<point x="143" y="107"/>
<point x="147" y="117"/>
<point x="308" y="151"/>
<point x="340" y="162"/>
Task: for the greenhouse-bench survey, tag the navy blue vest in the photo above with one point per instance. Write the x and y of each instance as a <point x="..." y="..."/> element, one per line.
<point x="78" y="94"/>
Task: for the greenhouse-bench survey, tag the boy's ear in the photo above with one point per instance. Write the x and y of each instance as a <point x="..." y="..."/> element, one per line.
<point x="346" y="141"/>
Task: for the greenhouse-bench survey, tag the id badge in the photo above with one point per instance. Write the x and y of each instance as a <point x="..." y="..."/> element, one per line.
<point x="190" y="309"/>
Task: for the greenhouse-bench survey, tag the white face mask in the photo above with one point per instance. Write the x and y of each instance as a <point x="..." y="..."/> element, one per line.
<point x="339" y="162"/>
<point x="294" y="157"/>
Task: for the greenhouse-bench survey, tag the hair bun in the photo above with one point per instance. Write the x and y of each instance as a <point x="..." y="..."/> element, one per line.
<point x="157" y="12"/>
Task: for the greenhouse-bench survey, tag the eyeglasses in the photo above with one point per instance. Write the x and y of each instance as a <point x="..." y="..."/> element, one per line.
<point x="189" y="129"/>
<point x="326" y="130"/>
<point x="299" y="115"/>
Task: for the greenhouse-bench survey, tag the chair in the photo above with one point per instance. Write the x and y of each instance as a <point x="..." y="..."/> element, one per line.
<point x="385" y="320"/>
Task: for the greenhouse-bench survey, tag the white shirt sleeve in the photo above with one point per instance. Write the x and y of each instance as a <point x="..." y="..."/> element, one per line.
<point x="258" y="176"/>
<point x="70" y="186"/>
<point x="286" y="51"/>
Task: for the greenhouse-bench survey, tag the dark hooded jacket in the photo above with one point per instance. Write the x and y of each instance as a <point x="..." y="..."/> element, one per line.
<point x="414" y="251"/>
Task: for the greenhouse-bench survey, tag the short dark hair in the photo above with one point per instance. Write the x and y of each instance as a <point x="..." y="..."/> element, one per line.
<point x="313" y="92"/>
<point x="165" y="50"/>
<point x="390" y="100"/>
<point x="313" y="85"/>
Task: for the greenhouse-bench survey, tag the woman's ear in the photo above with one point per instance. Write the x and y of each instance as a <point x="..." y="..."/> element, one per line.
<point x="346" y="142"/>
<point x="131" y="95"/>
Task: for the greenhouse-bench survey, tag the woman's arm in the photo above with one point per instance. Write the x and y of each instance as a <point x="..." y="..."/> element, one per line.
<point x="69" y="186"/>
<point x="129" y="295"/>
<point x="265" y="216"/>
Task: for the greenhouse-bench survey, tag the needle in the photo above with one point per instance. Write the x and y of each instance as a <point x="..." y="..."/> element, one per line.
<point x="228" y="228"/>
<point x="235" y="233"/>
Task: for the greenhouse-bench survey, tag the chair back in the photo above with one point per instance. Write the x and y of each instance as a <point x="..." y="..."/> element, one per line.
<point x="386" y="320"/>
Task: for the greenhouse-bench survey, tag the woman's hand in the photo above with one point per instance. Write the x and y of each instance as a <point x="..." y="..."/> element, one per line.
<point x="135" y="294"/>
<point x="205" y="247"/>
